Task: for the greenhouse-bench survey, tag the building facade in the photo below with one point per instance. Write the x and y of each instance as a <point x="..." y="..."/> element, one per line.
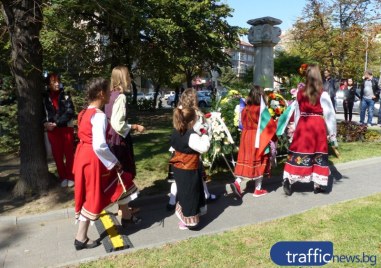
<point x="242" y="58"/>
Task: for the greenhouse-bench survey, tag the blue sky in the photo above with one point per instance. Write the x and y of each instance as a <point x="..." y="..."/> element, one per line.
<point x="286" y="10"/>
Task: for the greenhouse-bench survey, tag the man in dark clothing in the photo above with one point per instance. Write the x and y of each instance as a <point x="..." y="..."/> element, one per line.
<point x="369" y="95"/>
<point x="331" y="86"/>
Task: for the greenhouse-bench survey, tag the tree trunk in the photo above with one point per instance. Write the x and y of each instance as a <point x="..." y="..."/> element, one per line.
<point x="155" y="96"/>
<point x="189" y="78"/>
<point x="134" y="93"/>
<point x="24" y="21"/>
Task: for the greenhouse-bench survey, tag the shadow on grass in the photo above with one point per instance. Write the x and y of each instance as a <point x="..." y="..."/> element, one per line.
<point x="55" y="193"/>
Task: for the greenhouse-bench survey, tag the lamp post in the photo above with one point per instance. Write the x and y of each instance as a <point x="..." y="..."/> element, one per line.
<point x="366" y="53"/>
<point x="367" y="33"/>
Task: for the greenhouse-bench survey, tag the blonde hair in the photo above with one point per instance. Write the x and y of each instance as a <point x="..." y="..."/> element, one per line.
<point x="120" y="79"/>
<point x="189" y="99"/>
<point x="184" y="119"/>
<point x="314" y="83"/>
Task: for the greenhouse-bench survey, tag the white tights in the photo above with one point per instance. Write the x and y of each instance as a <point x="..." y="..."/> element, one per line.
<point x="173" y="193"/>
<point x="258" y="183"/>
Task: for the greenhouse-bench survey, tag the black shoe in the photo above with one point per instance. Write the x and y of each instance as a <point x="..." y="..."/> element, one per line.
<point x="82" y="245"/>
<point x="134" y="220"/>
<point x="287" y="187"/>
<point x="170" y="207"/>
<point x="319" y="190"/>
<point x="212" y="198"/>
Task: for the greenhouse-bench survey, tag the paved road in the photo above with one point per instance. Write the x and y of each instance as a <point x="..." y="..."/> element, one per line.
<point x="47" y="239"/>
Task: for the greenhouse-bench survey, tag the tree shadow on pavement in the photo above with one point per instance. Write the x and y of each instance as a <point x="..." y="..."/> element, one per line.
<point x="155" y="213"/>
<point x="216" y="208"/>
<point x="10" y="235"/>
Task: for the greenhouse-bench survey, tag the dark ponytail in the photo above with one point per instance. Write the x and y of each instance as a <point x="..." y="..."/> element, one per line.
<point x="94" y="87"/>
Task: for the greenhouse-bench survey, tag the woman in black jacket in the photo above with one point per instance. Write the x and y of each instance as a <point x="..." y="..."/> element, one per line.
<point x="59" y="112"/>
<point x="349" y="99"/>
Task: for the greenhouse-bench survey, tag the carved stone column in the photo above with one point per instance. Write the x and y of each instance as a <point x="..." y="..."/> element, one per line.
<point x="264" y="36"/>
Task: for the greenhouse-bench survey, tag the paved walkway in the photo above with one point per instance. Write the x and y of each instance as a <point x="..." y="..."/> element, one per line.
<point x="46" y="240"/>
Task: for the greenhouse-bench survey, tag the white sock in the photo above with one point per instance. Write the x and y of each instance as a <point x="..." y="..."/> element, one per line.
<point x="206" y="192"/>
<point x="173" y="193"/>
<point x="258" y="184"/>
<point x="238" y="180"/>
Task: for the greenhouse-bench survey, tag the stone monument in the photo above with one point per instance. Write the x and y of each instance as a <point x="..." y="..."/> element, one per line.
<point x="264" y="36"/>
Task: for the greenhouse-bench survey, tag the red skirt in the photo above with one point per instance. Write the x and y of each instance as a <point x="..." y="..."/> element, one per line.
<point x="251" y="164"/>
<point x="95" y="186"/>
<point x="308" y="153"/>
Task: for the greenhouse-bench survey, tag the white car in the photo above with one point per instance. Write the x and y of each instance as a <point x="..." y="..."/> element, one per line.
<point x="204" y="99"/>
<point x="151" y="95"/>
<point x="171" y="93"/>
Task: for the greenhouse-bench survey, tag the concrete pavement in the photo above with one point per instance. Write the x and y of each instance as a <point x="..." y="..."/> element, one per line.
<point x="46" y="240"/>
<point x="356" y="118"/>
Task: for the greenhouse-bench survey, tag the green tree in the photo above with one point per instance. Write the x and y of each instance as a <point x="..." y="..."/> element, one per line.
<point x="332" y="33"/>
<point x="24" y="22"/>
<point x="192" y="33"/>
<point x="181" y="35"/>
<point x="286" y="64"/>
<point x="286" y="67"/>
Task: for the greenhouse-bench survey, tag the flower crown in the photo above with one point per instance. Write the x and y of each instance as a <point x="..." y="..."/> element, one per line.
<point x="303" y="69"/>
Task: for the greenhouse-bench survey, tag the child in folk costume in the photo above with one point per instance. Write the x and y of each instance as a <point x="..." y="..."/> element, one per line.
<point x="95" y="167"/>
<point x="188" y="146"/>
<point x="308" y="153"/>
<point x="119" y="134"/>
<point x="189" y="100"/>
<point x="254" y="154"/>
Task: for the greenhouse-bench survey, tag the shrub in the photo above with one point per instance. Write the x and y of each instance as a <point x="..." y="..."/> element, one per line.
<point x="351" y="131"/>
<point x="372" y="135"/>
<point x="9" y="139"/>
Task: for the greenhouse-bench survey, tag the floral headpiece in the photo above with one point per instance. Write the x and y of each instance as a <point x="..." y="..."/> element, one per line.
<point x="303" y="68"/>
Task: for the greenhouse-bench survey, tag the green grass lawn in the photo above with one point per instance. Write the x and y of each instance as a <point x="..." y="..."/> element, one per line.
<point x="353" y="227"/>
<point x="350" y="151"/>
